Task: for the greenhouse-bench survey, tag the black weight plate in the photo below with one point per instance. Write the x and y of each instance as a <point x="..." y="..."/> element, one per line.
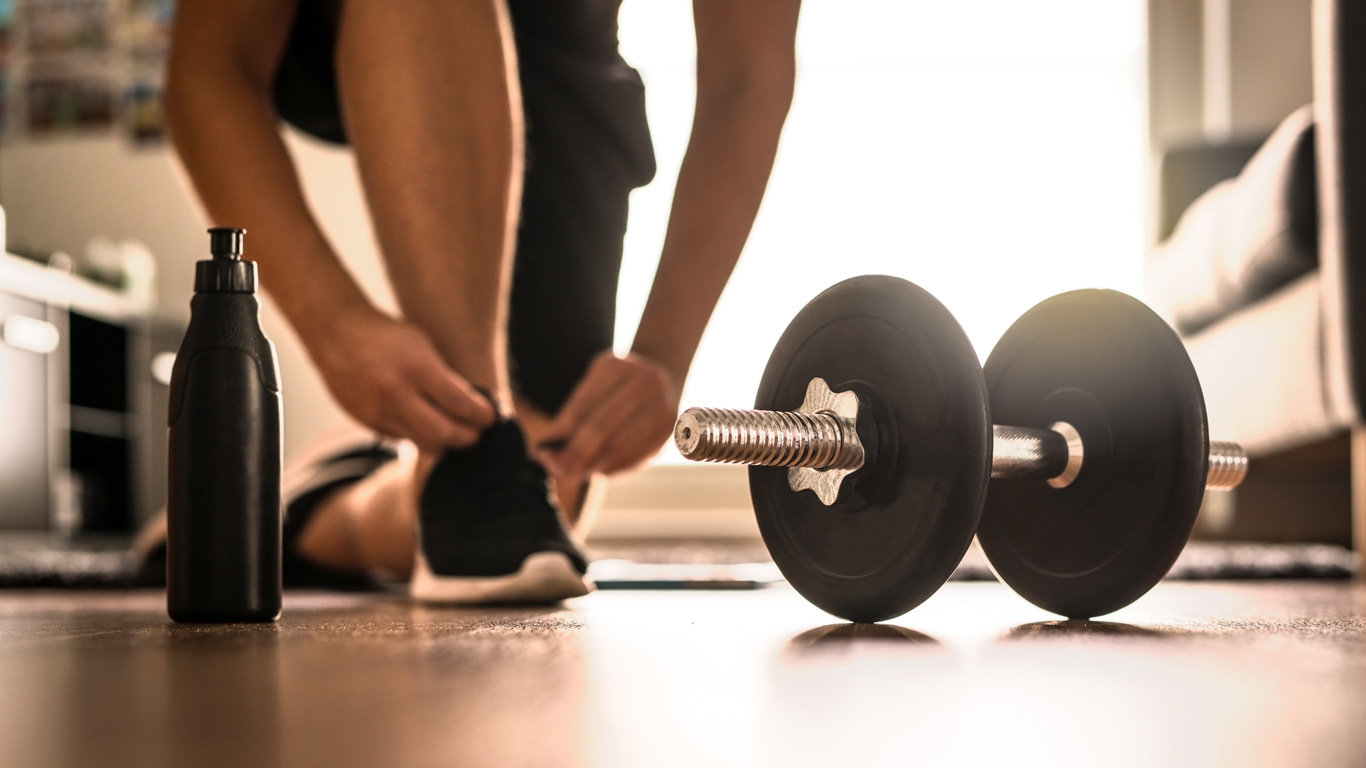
<point x="902" y="522"/>
<point x="1106" y="364"/>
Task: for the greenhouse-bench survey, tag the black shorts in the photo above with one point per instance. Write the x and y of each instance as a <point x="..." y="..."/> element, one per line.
<point x="587" y="146"/>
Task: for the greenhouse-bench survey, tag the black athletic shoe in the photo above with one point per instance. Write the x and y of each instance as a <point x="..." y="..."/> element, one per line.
<point x="488" y="530"/>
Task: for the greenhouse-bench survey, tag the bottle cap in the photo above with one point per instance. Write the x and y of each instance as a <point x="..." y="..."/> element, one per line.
<point x="226" y="272"/>
<point x="226" y="242"/>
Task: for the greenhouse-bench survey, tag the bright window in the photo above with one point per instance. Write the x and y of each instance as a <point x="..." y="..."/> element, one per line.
<point x="989" y="150"/>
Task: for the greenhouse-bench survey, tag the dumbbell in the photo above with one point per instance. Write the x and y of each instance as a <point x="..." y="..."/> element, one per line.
<point x="869" y="493"/>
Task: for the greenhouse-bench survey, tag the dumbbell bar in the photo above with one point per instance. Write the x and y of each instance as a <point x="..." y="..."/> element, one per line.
<point x="823" y="440"/>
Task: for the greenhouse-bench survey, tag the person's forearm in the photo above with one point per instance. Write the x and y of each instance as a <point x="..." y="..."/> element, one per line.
<point x="226" y="135"/>
<point x="720" y="185"/>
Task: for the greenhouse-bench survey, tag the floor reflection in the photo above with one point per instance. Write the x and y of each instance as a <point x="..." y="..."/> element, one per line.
<point x="217" y="689"/>
<point x="377" y="683"/>
<point x="840" y="637"/>
<point x="1245" y="674"/>
<point x="1081" y="628"/>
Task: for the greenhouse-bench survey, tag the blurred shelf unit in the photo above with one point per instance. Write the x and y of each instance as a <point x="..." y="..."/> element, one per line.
<point x="84" y="376"/>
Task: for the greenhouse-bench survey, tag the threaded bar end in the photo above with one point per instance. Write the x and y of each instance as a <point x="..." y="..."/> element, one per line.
<point x="765" y="438"/>
<point x="1227" y="466"/>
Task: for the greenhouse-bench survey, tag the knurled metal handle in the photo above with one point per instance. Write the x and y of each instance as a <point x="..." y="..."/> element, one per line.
<point x="821" y="441"/>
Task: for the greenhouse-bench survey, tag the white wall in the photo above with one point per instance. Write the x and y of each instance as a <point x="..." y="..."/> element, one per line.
<point x="1221" y="67"/>
<point x="1269" y="60"/>
<point x="59" y="193"/>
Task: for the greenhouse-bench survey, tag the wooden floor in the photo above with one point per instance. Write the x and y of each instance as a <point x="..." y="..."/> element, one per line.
<point x="1264" y="674"/>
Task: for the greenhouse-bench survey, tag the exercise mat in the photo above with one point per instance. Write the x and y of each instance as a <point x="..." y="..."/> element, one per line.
<point x="739" y="564"/>
<point x="710" y="564"/>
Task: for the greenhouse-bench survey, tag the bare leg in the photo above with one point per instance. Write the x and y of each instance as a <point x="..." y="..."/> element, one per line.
<point x="433" y="111"/>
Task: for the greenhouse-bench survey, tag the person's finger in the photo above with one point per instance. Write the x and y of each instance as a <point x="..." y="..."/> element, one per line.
<point x="552" y="445"/>
<point x="547" y="452"/>
<point x="455" y="396"/>
<point x="634" y="447"/>
<point x="625" y="457"/>
<point x="598" y="384"/>
<point x="431" y="429"/>
<point x="596" y="434"/>
<point x="388" y="427"/>
<point x="550" y="461"/>
<point x="649" y="431"/>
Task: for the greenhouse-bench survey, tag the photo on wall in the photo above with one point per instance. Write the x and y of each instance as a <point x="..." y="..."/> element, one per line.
<point x="66" y="102"/>
<point x="143" y="122"/>
<point x="144" y="40"/>
<point x="62" y="28"/>
<point x="6" y="54"/>
<point x="71" y="67"/>
<point x="144" y="31"/>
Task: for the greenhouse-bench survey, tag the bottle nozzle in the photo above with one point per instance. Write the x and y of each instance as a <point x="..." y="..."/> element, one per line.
<point x="226" y="242"/>
<point x="227" y="271"/>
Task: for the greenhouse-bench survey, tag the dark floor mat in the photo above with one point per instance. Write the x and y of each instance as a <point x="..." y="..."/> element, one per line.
<point x="1200" y="560"/>
<point x="1205" y="560"/>
<point x="694" y="564"/>
<point x="74" y="568"/>
<point x="1221" y="560"/>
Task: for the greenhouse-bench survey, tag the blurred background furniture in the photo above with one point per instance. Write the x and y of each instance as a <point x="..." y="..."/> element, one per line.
<point x="83" y="401"/>
<point x="1261" y="266"/>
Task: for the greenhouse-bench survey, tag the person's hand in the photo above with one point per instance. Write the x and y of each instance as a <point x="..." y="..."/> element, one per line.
<point x="387" y="374"/>
<point x="616" y="418"/>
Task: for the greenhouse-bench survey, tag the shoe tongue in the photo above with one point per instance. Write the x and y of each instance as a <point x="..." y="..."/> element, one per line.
<point x="501" y="449"/>
<point x="496" y="464"/>
<point x="504" y="439"/>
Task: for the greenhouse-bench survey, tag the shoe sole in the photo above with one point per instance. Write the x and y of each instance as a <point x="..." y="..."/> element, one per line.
<point x="545" y="577"/>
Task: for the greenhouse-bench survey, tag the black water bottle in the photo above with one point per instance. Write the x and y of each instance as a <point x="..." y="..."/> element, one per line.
<point x="223" y="510"/>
